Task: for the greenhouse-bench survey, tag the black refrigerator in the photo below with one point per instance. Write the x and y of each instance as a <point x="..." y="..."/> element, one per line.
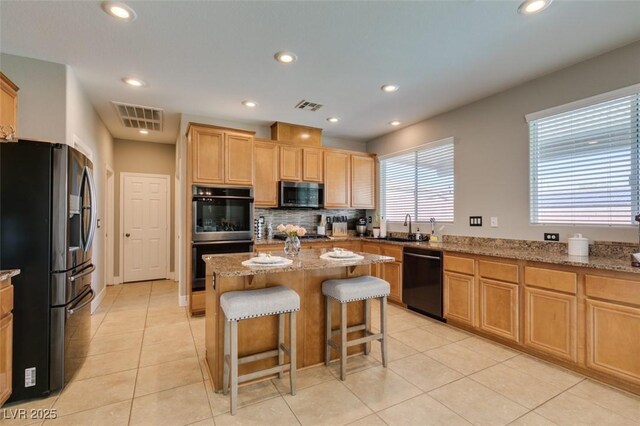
<point x="47" y="224"/>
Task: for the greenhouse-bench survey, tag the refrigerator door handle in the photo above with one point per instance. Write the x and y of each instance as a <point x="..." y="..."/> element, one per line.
<point x="93" y="208"/>
<point x="86" y="271"/>
<point x="75" y="307"/>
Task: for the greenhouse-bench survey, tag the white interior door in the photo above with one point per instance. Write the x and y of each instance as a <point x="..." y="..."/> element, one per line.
<point x="145" y="227"/>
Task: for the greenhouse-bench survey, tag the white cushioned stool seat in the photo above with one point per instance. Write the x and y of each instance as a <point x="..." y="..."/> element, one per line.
<point x="353" y="289"/>
<point x="238" y="305"/>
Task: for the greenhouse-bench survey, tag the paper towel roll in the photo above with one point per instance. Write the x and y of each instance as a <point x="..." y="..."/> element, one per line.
<point x="578" y="245"/>
<point x="383" y="227"/>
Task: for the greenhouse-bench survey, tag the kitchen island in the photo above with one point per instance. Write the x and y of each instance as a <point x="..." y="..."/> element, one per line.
<point x="305" y="275"/>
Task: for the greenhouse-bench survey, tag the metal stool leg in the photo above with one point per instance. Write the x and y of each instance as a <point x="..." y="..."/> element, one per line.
<point x="292" y="351"/>
<point x="343" y="341"/>
<point x="367" y="324"/>
<point x="327" y="333"/>
<point x="225" y="357"/>
<point x="280" y="343"/>
<point x="234" y="367"/>
<point x="383" y="329"/>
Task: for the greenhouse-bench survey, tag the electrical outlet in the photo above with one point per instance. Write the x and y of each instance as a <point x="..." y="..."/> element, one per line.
<point x="548" y="236"/>
<point x="494" y="222"/>
<point x="475" y="220"/>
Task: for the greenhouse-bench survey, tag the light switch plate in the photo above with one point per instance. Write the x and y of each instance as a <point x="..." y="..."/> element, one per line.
<point x="494" y="222"/>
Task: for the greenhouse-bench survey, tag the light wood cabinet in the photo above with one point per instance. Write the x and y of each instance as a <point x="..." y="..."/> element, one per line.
<point x="6" y="340"/>
<point x="363" y="182"/>
<point x="238" y="159"/>
<point x="337" y="180"/>
<point x="220" y="156"/>
<point x="290" y="163"/>
<point x="459" y="297"/>
<point x="295" y="133"/>
<point x="312" y="165"/>
<point x="8" y="105"/>
<point x="550" y="322"/>
<point x="499" y="299"/>
<point x="392" y="273"/>
<point x="265" y="191"/>
<point x="207" y="155"/>
<point x="613" y="327"/>
<point x="373" y="248"/>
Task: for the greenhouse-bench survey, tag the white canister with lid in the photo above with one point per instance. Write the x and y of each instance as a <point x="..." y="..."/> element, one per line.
<point x="578" y="245"/>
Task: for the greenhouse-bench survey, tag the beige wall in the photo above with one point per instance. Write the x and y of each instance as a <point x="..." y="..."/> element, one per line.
<point x="492" y="147"/>
<point x="143" y="157"/>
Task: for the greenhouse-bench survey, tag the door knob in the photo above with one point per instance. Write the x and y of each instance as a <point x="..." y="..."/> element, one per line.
<point x="127" y="235"/>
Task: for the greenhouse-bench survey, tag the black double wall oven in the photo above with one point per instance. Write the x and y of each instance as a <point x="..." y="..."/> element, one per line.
<point x="222" y="223"/>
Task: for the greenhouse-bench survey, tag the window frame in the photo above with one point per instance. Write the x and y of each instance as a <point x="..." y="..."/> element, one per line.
<point x="414" y="213"/>
<point x="574" y="106"/>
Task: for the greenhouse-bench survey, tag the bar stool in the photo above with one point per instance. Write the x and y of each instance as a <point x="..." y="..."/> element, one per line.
<point x="348" y="290"/>
<point x="240" y="305"/>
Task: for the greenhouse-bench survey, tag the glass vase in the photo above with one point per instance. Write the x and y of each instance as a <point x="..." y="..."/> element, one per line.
<point x="292" y="246"/>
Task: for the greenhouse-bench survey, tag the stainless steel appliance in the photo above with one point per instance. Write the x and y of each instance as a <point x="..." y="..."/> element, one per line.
<point x="422" y="281"/>
<point x="301" y="195"/>
<point x="47" y="226"/>
<point x="222" y="213"/>
<point x="222" y="223"/>
<point x="201" y="248"/>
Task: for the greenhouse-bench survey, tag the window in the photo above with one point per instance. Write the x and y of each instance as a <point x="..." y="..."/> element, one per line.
<point x="418" y="182"/>
<point x="584" y="160"/>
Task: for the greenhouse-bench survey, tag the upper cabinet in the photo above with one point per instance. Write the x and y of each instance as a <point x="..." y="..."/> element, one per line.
<point x="290" y="163"/>
<point x="337" y="180"/>
<point x="312" y="165"/>
<point x="220" y="155"/>
<point x="265" y="192"/>
<point x="8" y="108"/>
<point x="363" y="182"/>
<point x="285" y="132"/>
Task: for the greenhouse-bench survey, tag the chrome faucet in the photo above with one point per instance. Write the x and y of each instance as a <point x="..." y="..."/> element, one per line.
<point x="405" y="221"/>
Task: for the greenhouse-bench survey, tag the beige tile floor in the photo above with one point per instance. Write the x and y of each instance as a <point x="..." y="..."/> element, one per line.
<point x="145" y="367"/>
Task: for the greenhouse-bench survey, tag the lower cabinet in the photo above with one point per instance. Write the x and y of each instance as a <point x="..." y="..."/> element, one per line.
<point x="392" y="273"/>
<point x="6" y="339"/>
<point x="459" y="297"/>
<point x="613" y="327"/>
<point x="550" y="311"/>
<point x="373" y="248"/>
<point x="550" y="322"/>
<point x="499" y="313"/>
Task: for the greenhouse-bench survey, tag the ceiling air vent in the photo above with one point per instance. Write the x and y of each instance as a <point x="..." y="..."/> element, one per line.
<point x="308" y="106"/>
<point x="139" y="117"/>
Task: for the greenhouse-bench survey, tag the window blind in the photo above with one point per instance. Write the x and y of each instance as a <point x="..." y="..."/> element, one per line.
<point x="419" y="182"/>
<point x="584" y="164"/>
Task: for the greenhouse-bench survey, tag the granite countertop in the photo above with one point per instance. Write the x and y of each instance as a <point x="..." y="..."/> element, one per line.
<point x="8" y="273"/>
<point x="230" y="265"/>
<point x="522" y="252"/>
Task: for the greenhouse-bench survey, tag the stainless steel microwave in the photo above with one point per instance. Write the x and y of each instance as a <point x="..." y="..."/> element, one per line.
<point x="301" y="194"/>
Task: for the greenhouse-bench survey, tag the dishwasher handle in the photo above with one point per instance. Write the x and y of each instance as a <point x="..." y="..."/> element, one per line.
<point x="424" y="256"/>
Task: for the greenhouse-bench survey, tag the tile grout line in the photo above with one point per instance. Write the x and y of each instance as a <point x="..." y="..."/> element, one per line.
<point x="135" y="382"/>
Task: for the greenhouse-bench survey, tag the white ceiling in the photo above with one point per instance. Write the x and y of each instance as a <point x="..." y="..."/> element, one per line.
<point x="205" y="57"/>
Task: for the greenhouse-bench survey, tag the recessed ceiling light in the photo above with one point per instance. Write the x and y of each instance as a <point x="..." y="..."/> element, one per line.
<point x="529" y="7"/>
<point x="285" y="57"/>
<point x="118" y="10"/>
<point x="143" y="132"/>
<point x="395" y="123"/>
<point x="305" y="136"/>
<point x="136" y="82"/>
<point x="250" y="104"/>
<point x="333" y="119"/>
<point x="389" y="88"/>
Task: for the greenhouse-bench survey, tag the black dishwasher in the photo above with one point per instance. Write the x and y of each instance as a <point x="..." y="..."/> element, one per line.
<point x="422" y="281"/>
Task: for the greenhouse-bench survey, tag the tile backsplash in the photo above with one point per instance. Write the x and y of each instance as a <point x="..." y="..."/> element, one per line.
<point x="307" y="218"/>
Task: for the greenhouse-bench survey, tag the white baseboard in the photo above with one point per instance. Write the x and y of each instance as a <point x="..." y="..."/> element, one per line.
<point x="183" y="301"/>
<point x="95" y="303"/>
